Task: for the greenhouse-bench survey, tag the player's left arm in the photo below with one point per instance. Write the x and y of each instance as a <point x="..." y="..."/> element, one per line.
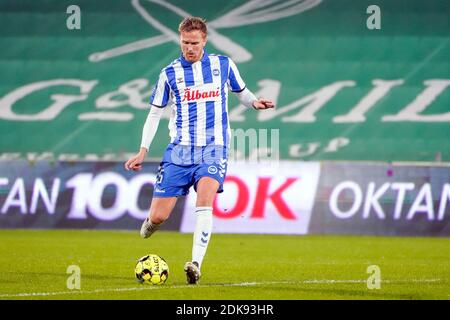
<point x="245" y="96"/>
<point x="248" y="99"/>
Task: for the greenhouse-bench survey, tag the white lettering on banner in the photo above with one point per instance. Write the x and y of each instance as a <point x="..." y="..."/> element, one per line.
<point x="296" y="150"/>
<point x="334" y="145"/>
<point x="110" y="100"/>
<point x="372" y="198"/>
<point x="61" y="101"/>
<point x="423" y="201"/>
<point x="401" y="189"/>
<point x="269" y="88"/>
<point x="445" y="198"/>
<point x="89" y="190"/>
<point x="39" y="191"/>
<point x="427" y="207"/>
<point x="16" y="197"/>
<point x="247" y="14"/>
<point x="421" y="102"/>
<point x="81" y="184"/>
<point x="97" y="188"/>
<point x="134" y="188"/>
<point x="132" y="90"/>
<point x="382" y="87"/>
<point x="262" y="199"/>
<point x="313" y="103"/>
<point x="334" y="199"/>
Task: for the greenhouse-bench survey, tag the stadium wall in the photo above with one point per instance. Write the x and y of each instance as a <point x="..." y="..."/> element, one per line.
<point x="286" y="198"/>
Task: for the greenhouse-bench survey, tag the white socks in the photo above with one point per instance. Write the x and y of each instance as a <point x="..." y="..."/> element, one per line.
<point x="202" y="233"/>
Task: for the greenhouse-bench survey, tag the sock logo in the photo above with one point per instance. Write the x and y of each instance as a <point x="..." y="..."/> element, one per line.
<point x="204" y="234"/>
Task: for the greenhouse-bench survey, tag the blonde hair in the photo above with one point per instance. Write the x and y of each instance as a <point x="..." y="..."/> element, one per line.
<point x="193" y="23"/>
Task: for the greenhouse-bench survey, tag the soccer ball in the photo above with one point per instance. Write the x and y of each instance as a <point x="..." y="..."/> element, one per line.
<point x="152" y="269"/>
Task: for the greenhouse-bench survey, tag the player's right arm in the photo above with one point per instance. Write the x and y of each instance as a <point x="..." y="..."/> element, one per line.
<point x="158" y="101"/>
<point x="148" y="133"/>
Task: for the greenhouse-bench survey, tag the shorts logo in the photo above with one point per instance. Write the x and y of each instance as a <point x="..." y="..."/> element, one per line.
<point x="212" y="169"/>
<point x="216" y="72"/>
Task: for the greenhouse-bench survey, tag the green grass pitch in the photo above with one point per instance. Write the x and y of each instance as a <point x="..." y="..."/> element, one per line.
<point x="33" y="265"/>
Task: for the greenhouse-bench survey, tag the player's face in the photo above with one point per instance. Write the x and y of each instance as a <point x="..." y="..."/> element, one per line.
<point x="192" y="44"/>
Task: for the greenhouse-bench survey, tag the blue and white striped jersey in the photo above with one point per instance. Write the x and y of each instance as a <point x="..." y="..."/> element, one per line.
<point x="199" y="93"/>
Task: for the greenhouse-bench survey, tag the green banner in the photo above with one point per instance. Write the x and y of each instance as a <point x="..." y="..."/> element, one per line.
<point x="351" y="81"/>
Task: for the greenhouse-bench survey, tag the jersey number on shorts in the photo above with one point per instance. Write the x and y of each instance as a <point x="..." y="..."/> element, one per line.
<point x="160" y="175"/>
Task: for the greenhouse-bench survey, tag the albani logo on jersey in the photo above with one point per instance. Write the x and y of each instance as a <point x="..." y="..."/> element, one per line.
<point x="194" y="95"/>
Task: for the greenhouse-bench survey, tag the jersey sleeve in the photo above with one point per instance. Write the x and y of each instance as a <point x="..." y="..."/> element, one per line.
<point x="235" y="82"/>
<point x="161" y="92"/>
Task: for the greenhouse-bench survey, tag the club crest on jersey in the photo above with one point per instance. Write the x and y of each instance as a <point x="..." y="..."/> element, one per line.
<point x="192" y="95"/>
<point x="216" y="72"/>
<point x="212" y="169"/>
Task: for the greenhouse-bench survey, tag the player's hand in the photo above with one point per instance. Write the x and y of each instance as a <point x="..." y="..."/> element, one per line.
<point x="135" y="162"/>
<point x="262" y="104"/>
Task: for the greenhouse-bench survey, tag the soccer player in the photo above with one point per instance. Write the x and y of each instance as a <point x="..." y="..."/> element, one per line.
<point x="197" y="84"/>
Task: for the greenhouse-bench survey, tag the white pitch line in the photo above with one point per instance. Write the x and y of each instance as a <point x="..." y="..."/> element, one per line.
<point x="242" y="284"/>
